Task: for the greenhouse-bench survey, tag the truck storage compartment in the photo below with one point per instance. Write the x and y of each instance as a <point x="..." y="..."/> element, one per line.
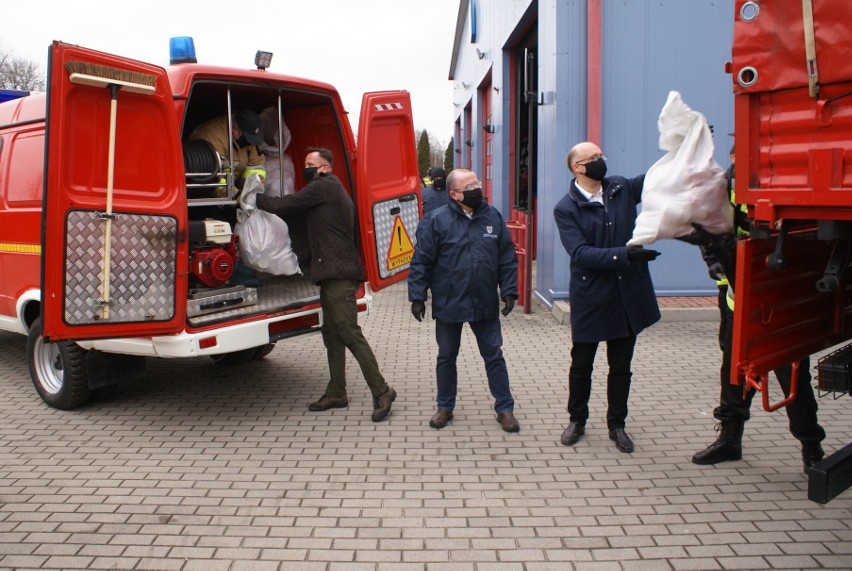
<point x="793" y="130"/>
<point x="213" y="190"/>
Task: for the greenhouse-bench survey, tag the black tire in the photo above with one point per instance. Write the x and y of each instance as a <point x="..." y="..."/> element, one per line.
<point x="234" y="358"/>
<point x="58" y="370"/>
<point x="263" y="351"/>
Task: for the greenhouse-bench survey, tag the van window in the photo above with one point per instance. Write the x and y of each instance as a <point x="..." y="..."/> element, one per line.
<point x="24" y="183"/>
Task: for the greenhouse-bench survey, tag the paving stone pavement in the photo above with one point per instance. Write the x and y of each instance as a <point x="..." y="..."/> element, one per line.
<point x="208" y="467"/>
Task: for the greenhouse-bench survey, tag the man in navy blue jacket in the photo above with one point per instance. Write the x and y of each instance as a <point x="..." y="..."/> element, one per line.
<point x="435" y="195"/>
<point x="463" y="253"/>
<point x="612" y="297"/>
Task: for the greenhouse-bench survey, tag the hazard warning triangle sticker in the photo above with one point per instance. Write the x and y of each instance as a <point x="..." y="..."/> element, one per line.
<point x="401" y="250"/>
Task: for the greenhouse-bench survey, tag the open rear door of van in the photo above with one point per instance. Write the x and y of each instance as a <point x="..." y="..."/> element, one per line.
<point x="387" y="186"/>
<point x="114" y="238"/>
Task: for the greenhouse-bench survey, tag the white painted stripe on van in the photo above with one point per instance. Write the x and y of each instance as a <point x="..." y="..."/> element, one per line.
<point x="388" y="106"/>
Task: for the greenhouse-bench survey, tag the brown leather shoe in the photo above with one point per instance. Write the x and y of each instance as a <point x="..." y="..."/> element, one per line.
<point x="441" y="418"/>
<point x="382" y="405"/>
<point x="508" y="422"/>
<point x="326" y="402"/>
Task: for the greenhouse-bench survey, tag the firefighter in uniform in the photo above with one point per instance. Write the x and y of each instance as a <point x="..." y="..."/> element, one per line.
<point x="719" y="253"/>
<point x="245" y="136"/>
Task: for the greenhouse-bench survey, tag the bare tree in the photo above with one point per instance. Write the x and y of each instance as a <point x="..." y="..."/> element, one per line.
<point x="19" y="73"/>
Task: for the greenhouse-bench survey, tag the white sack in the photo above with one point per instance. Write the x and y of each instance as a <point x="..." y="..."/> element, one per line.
<point x="686" y="185"/>
<point x="264" y="237"/>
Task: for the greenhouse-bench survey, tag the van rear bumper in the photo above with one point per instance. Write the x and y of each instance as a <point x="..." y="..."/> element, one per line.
<point x="219" y="340"/>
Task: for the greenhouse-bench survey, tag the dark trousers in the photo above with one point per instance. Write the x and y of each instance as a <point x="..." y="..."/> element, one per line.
<point x="340" y="331"/>
<point x="619" y="355"/>
<point x="489" y="337"/>
<point x="802" y="412"/>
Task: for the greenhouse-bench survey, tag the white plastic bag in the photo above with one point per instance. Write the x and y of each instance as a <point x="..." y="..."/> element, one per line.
<point x="686" y="185"/>
<point x="264" y="237"/>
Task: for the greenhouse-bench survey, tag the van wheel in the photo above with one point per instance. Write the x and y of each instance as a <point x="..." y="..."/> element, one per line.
<point x="263" y="351"/>
<point x="58" y="370"/>
<point x="235" y="357"/>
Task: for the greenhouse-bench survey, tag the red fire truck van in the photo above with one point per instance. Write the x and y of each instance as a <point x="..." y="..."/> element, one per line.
<point x="117" y="239"/>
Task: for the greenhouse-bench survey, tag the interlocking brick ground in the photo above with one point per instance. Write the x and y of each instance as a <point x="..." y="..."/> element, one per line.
<point x="208" y="467"/>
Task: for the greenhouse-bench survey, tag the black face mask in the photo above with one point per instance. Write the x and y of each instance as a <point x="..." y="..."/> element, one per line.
<point x="472" y="198"/>
<point x="596" y="169"/>
<point x="439" y="184"/>
<point x="310" y="173"/>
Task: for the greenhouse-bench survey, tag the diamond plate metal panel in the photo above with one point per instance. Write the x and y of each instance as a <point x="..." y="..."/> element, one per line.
<point x="384" y="219"/>
<point x="142" y="267"/>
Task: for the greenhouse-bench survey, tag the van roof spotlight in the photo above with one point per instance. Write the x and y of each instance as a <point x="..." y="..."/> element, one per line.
<point x="181" y="50"/>
<point x="262" y="59"/>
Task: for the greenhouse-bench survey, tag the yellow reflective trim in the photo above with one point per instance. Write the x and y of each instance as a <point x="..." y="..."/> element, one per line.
<point x="248" y="172"/>
<point x="20" y="248"/>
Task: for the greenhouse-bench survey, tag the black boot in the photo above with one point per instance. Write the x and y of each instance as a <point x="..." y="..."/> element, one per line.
<point x="811" y="454"/>
<point x="729" y="445"/>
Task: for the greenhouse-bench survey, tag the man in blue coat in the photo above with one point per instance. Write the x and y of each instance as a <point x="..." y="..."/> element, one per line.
<point x="463" y="253"/>
<point x="612" y="297"/>
<point x="435" y="195"/>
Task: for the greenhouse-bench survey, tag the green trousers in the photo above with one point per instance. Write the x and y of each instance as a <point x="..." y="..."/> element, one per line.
<point x="340" y="331"/>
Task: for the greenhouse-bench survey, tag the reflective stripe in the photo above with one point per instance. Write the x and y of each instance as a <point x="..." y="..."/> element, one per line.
<point x="20" y="248"/>
<point x="722" y="282"/>
<point x="260" y="172"/>
<point x="729" y="298"/>
<point x="742" y="208"/>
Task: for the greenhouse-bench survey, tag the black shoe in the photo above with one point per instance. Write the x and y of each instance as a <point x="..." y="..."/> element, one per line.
<point x="811" y="454"/>
<point x="508" y="422"/>
<point x="622" y="441"/>
<point x="326" y="402"/>
<point x="717" y="452"/>
<point x="441" y="418"/>
<point x="727" y="448"/>
<point x="572" y="433"/>
<point x="382" y="405"/>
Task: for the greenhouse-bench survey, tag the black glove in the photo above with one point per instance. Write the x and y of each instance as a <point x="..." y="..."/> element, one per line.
<point x="418" y="310"/>
<point x="638" y="253"/>
<point x="716" y="271"/>
<point x="700" y="237"/>
<point x="509" y="302"/>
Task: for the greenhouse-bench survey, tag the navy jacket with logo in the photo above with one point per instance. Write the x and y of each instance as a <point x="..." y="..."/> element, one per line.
<point x="462" y="261"/>
<point x="610" y="296"/>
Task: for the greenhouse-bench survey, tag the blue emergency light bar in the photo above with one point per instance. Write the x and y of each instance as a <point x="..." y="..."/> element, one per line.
<point x="181" y="50"/>
<point x="10" y="94"/>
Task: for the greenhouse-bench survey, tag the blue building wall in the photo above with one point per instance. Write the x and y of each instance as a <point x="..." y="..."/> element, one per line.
<point x="648" y="49"/>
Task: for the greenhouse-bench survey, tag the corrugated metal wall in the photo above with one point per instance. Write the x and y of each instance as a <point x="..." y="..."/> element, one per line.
<point x="648" y="49"/>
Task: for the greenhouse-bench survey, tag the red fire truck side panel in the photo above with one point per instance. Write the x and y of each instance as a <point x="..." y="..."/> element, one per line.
<point x="794" y="165"/>
<point x="21" y="159"/>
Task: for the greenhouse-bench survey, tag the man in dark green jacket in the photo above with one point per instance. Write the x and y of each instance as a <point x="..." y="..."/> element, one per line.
<point x="336" y="267"/>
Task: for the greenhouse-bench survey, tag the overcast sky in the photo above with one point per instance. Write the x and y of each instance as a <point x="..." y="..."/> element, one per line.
<point x="355" y="45"/>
